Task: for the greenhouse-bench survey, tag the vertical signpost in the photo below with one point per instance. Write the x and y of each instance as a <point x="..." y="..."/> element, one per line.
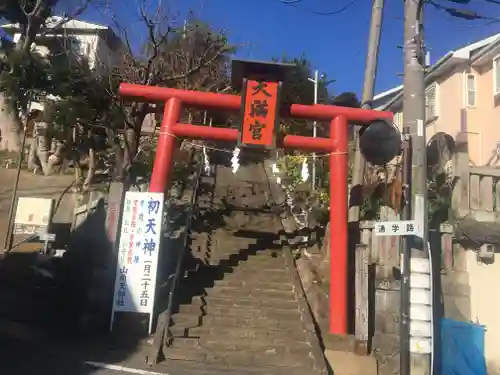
<point x="115" y="201"/>
<point x="416" y="291"/>
<point x="137" y="263"/>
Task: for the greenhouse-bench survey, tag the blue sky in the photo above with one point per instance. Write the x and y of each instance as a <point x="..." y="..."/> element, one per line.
<point x="335" y="44"/>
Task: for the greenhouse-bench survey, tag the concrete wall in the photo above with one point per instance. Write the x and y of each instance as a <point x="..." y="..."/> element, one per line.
<point x="484" y="282"/>
<point x="469" y="295"/>
<point x="455" y="287"/>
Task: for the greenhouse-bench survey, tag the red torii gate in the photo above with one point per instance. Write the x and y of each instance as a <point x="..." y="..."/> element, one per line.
<point x="336" y="145"/>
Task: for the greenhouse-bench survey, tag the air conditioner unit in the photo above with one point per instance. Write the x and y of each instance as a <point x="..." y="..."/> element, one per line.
<point x="486" y="253"/>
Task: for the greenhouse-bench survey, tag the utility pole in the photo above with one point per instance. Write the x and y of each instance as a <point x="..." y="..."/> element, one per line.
<point x="315" y="128"/>
<point x="404" y="332"/>
<point x="356" y="194"/>
<point x="10" y="229"/>
<point x="414" y="123"/>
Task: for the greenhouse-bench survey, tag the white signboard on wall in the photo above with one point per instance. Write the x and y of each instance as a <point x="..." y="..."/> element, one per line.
<point x="138" y="249"/>
<point x="33" y="215"/>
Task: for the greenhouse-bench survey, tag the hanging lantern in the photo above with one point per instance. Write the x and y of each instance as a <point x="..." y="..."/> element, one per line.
<point x="380" y="142"/>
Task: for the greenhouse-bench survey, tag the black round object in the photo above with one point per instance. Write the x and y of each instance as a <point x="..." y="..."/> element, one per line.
<point x="380" y="142"/>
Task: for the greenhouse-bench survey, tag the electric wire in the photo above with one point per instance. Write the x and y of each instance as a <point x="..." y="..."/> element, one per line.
<point x="294" y="3"/>
<point x="462" y="13"/>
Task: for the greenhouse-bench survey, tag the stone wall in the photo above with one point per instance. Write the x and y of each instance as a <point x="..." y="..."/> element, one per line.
<point x="455" y="287"/>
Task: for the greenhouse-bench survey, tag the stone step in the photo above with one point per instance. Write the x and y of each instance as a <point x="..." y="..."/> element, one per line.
<point x="252" y="293"/>
<point x="191" y="367"/>
<point x="250" y="345"/>
<point x="234" y="247"/>
<point x="226" y="283"/>
<point x="249" y="268"/>
<point x="227" y="332"/>
<point x="270" y="356"/>
<point x="237" y="260"/>
<point x="237" y="248"/>
<point x="243" y="251"/>
<point x="245" y="302"/>
<point x="249" y="275"/>
<point x="261" y="256"/>
<point x="257" y="226"/>
<point x="186" y="320"/>
<point x="242" y="312"/>
<point x="224" y="236"/>
<point x="242" y="272"/>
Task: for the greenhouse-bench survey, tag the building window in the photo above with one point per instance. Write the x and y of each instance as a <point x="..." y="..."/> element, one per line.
<point x="431" y="110"/>
<point x="471" y="90"/>
<point x="496" y="75"/>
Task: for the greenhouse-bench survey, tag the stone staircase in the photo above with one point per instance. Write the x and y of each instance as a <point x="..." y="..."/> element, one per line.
<point x="240" y="302"/>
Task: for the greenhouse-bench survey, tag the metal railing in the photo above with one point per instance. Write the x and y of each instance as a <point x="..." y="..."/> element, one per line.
<point x="162" y="332"/>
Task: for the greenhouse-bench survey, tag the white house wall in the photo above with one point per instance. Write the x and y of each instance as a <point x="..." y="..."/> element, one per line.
<point x="92" y="46"/>
<point x="88" y="46"/>
<point x="105" y="56"/>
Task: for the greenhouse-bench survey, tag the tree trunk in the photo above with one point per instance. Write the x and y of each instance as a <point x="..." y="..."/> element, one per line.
<point x="56" y="156"/>
<point x="78" y="175"/>
<point x="30" y="31"/>
<point x="125" y="157"/>
<point x="11" y="129"/>
<point x="43" y="147"/>
<point x="32" y="155"/>
<point x="324" y="268"/>
<point x="130" y="149"/>
<point x="91" y="170"/>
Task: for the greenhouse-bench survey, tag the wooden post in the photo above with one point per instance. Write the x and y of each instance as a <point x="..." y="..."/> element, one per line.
<point x="362" y="260"/>
<point x="115" y="203"/>
<point x="447" y="246"/>
<point x="385" y="250"/>
<point x="460" y="196"/>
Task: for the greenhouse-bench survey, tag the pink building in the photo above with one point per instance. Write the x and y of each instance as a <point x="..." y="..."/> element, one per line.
<point x="462" y="95"/>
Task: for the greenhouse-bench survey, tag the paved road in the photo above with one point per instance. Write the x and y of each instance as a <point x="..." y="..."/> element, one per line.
<point x="23" y="358"/>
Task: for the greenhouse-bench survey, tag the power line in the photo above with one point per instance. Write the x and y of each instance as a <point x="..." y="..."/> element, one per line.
<point x="452" y="20"/>
<point x="466" y="14"/>
<point x="319" y="13"/>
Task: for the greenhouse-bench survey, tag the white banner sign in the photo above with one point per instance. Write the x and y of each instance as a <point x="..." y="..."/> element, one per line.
<point x="396" y="228"/>
<point x="138" y="249"/>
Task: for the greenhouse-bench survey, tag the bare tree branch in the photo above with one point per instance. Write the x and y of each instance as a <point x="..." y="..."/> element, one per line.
<point x="65" y="19"/>
<point x="203" y="63"/>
